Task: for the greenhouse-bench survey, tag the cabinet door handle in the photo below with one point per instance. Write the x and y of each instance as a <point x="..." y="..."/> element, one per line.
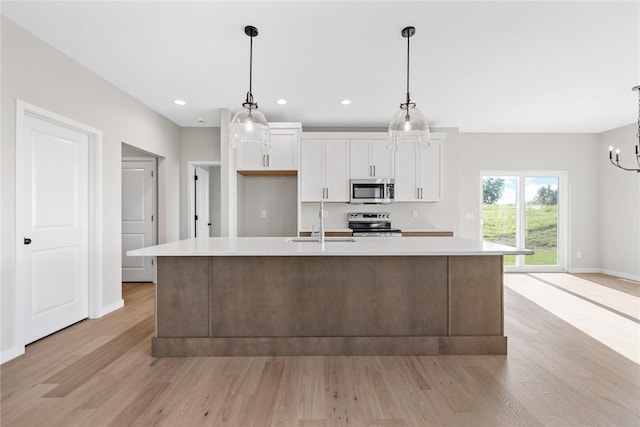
<point x="421" y="194"/>
<point x="370" y="170"/>
<point x="27" y="241"/>
<point x="374" y="170"/>
<point x="417" y="192"/>
<point x="268" y="160"/>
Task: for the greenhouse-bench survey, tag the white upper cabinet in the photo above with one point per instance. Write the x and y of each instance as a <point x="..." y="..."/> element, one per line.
<point x="324" y="170"/>
<point x="371" y="159"/>
<point x="419" y="173"/>
<point x="283" y="155"/>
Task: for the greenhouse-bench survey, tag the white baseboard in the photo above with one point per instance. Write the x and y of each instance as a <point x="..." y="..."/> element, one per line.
<point x="584" y="270"/>
<point x="621" y="275"/>
<point x="12" y="353"/>
<point x="111" y="307"/>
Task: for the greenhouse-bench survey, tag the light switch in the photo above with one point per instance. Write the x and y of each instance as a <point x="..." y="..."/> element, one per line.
<point x="414" y="214"/>
<point x="263" y="213"/>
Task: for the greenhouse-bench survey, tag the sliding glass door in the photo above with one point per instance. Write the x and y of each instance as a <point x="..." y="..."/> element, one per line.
<point x="526" y="210"/>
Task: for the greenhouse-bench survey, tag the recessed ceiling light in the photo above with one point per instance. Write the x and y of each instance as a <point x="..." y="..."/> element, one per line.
<point x="345" y="102"/>
<point x="281" y="101"/>
<point x="179" y="102"/>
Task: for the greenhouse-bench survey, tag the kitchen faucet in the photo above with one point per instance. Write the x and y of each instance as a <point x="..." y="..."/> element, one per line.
<point x="321" y="213"/>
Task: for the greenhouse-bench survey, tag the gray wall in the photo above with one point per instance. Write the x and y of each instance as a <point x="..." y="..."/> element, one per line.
<point x="196" y="145"/>
<point x="215" y="204"/>
<point x="36" y="73"/>
<point x="277" y="195"/>
<point x="619" y="205"/>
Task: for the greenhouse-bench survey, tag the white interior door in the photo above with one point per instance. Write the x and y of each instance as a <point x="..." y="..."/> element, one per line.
<point x="202" y="214"/>
<point x="52" y="252"/>
<point x="138" y="216"/>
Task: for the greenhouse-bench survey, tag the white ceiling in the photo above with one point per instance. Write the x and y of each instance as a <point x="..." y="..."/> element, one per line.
<point x="511" y="66"/>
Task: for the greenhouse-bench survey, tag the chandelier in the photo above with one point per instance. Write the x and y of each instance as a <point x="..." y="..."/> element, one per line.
<point x="617" y="161"/>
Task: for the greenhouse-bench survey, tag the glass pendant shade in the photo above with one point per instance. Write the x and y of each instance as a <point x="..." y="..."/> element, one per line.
<point x="249" y="125"/>
<point x="408" y="128"/>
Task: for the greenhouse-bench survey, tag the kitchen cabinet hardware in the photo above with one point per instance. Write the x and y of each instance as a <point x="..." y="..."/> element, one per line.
<point x="370" y="158"/>
<point x="324" y="166"/>
<point x="281" y="156"/>
<point x="27" y="241"/>
<point x="418" y="174"/>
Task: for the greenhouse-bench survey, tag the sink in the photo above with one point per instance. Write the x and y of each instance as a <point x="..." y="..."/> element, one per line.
<point x="315" y="239"/>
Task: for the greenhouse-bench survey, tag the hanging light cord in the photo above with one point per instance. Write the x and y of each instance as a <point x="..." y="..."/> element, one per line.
<point x="249" y="102"/>
<point x="408" y="50"/>
<point x="408" y="104"/>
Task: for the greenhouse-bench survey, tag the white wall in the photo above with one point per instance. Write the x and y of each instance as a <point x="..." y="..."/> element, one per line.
<point x="574" y="153"/>
<point x="619" y="205"/>
<point x="40" y="75"/>
<point x="196" y="144"/>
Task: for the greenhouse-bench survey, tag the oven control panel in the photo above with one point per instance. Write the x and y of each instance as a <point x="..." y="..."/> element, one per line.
<point x="369" y="216"/>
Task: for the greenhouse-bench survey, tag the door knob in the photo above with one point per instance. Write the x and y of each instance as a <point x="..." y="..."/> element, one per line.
<point x="27" y="241"/>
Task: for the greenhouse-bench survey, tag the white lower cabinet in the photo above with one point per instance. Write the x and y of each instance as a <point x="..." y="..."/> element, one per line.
<point x="418" y="174"/>
<point x="324" y="170"/>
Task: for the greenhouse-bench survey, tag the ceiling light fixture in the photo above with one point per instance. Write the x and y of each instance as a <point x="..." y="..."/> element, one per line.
<point x="179" y="102"/>
<point x="409" y="124"/>
<point x="617" y="162"/>
<point x="281" y="101"/>
<point x="249" y="124"/>
<point x="345" y="102"/>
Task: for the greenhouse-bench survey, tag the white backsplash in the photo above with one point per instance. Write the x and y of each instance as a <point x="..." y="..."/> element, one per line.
<point x="402" y="215"/>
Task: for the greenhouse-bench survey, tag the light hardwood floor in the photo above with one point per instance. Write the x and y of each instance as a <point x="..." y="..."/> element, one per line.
<point x="100" y="372"/>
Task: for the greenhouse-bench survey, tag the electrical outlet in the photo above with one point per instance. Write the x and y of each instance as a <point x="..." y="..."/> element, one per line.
<point x="579" y="255"/>
<point x="414" y="214"/>
<point x="263" y="213"/>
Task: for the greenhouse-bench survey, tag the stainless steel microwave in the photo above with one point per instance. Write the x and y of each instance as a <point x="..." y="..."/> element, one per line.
<point x="374" y="190"/>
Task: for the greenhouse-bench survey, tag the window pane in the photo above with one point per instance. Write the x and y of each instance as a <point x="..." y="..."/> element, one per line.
<point x="541" y="220"/>
<point x="499" y="210"/>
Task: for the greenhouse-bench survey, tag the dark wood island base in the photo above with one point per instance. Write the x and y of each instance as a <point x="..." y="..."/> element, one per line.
<point x="329" y="305"/>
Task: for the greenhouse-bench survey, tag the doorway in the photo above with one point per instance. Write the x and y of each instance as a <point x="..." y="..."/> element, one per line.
<point x="204" y="199"/>
<point x="58" y="223"/>
<point x="526" y="210"/>
<point x="139" y="216"/>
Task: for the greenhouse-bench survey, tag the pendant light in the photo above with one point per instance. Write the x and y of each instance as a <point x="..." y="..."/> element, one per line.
<point x="409" y="126"/>
<point x="617" y="162"/>
<point x="249" y="125"/>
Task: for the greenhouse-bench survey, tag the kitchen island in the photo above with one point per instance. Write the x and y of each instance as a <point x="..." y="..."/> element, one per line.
<point x="370" y="296"/>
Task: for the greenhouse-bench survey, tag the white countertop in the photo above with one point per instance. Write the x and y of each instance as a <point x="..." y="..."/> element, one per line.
<point x="362" y="246"/>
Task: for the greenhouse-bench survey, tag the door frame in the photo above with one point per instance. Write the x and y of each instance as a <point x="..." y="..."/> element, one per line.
<point x="563" y="215"/>
<point x="191" y="168"/>
<point x="95" y="200"/>
<point x="154" y="203"/>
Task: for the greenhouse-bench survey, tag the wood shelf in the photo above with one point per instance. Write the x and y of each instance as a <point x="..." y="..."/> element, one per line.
<point x="268" y="173"/>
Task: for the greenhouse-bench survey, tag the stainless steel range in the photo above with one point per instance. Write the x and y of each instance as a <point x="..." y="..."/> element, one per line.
<point x="372" y="224"/>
